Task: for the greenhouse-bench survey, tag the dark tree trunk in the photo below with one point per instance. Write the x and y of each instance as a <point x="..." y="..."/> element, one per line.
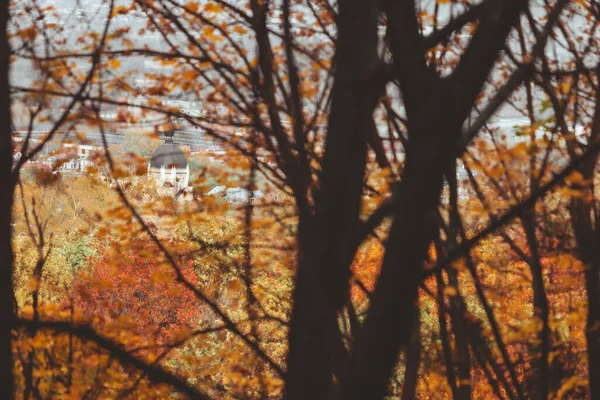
<point x="587" y="236"/>
<point x="592" y="278"/>
<point x="393" y="302"/>
<point x="588" y="243"/>
<point x="6" y="199"/>
<point x="436" y="110"/>
<point x="327" y="241"/>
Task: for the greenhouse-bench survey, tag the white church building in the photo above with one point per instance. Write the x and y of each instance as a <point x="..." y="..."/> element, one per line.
<point x="169" y="166"/>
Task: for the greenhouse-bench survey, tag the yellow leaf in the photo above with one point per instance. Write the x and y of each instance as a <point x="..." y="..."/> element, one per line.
<point x="209" y="32"/>
<point x="459" y="264"/>
<point x="576" y="178"/>
<point x="114" y="63"/>
<point x="190" y="75"/>
<point x="119" y="173"/>
<point x="121" y="10"/>
<point x="33" y="283"/>
<point x="450" y="291"/>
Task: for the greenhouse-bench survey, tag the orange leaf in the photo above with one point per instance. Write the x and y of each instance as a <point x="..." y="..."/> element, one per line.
<point x="239" y="30"/>
<point x="212" y="7"/>
<point x="192" y="6"/>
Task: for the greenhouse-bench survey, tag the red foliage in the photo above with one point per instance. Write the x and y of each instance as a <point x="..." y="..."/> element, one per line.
<point x="142" y="289"/>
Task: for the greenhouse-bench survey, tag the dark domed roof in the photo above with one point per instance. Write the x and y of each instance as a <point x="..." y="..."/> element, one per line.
<point x="168" y="155"/>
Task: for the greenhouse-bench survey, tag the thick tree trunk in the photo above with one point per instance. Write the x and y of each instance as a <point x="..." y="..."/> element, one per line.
<point x="327" y="240"/>
<point x="436" y="110"/>
<point x="592" y="278"/>
<point x="393" y="302"/>
<point x="588" y="241"/>
<point x="587" y="235"/>
<point x="6" y="199"/>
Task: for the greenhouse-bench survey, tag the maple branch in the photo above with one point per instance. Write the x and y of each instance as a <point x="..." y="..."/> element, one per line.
<point x="406" y="45"/>
<point x="267" y="91"/>
<point x="524" y="70"/>
<point x="454" y="25"/>
<point x="320" y="21"/>
<point x="123" y="52"/>
<point x="296" y="110"/>
<point x="155" y="373"/>
<point x="517" y="210"/>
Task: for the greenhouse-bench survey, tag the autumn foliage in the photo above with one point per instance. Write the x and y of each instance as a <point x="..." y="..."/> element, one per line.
<point x="139" y="289"/>
<point x="386" y="199"/>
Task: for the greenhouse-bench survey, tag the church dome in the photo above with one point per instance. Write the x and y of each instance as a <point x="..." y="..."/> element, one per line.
<point x="169" y="155"/>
